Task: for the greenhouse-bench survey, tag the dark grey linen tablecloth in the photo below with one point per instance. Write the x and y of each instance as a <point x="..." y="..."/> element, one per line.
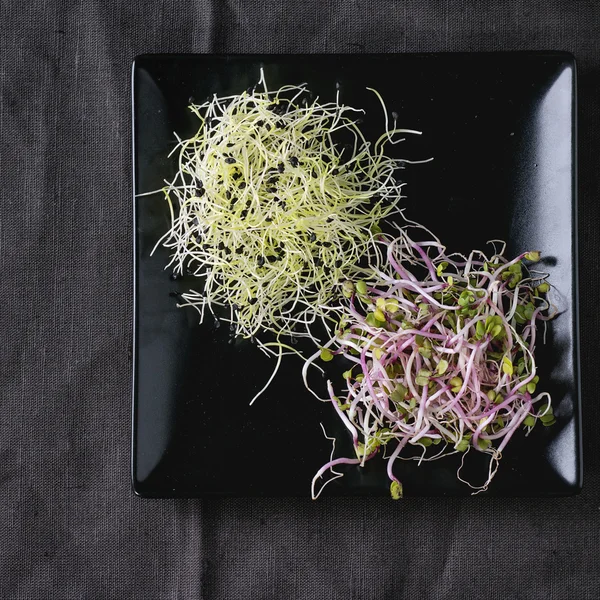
<point x="70" y="526"/>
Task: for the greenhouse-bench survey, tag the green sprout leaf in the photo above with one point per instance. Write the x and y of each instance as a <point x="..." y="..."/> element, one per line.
<point x="480" y="329"/>
<point x="372" y="320"/>
<point x="497" y="331"/>
<point x="326" y="355"/>
<point x="483" y="443"/>
<point x="399" y="394"/>
<point x="543" y="288"/>
<point x="392" y="305"/>
<point x="339" y="403"/>
<point x="456" y="383"/>
<point x="516" y="268"/>
<point x="463" y="444"/>
<point x="507" y="366"/>
<point x="520" y="315"/>
<point x="546" y="407"/>
<point x="361" y="288"/>
<point x="372" y="445"/>
<point x="347" y="289"/>
<point x="442" y="367"/>
<point x="425" y="352"/>
<point x="379" y="315"/>
<point x="396" y="490"/>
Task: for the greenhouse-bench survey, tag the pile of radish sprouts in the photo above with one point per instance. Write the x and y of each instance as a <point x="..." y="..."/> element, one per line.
<point x="442" y="353"/>
<point x="271" y="214"/>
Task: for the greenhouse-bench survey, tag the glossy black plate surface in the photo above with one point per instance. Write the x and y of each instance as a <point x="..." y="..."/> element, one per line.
<point x="502" y="131"/>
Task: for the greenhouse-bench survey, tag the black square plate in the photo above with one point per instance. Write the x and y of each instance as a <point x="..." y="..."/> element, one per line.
<point x="501" y="128"/>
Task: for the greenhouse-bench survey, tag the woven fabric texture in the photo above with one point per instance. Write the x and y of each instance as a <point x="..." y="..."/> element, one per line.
<point x="70" y="527"/>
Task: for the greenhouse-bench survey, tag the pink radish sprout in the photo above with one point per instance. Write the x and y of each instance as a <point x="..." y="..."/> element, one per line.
<point x="442" y="347"/>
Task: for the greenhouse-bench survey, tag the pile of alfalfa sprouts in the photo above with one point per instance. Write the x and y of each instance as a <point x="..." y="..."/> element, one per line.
<point x="282" y="227"/>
